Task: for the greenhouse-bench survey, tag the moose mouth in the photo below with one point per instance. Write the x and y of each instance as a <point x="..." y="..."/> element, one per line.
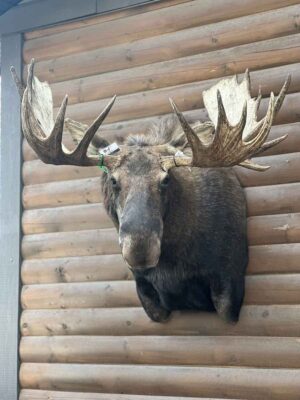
<point x="142" y="267"/>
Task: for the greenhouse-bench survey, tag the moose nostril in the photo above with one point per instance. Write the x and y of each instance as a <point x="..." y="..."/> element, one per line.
<point x="140" y="252"/>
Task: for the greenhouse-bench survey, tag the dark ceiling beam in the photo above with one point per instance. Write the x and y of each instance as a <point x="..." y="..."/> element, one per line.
<point x="5" y="5"/>
<point x="41" y="13"/>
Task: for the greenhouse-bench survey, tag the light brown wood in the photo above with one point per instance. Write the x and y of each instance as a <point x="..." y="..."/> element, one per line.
<point x="36" y="171"/>
<point x="200" y="67"/>
<point x="136" y="27"/>
<point x="280" y="258"/>
<point x="29" y="154"/>
<point x="249" y="383"/>
<point x="182" y="43"/>
<point x="263" y="320"/>
<point x="288" y="114"/>
<point x="56" y="194"/>
<point x="285" y="168"/>
<point x="270" y="229"/>
<point x="87" y="112"/>
<point x="80" y="295"/>
<point x="260" y="289"/>
<point x="283" y="228"/>
<point x="274" y="229"/>
<point x="273" y="289"/>
<point x="263" y="259"/>
<point x="273" y="199"/>
<point x="75" y="269"/>
<point x="83" y="328"/>
<point x="28" y="394"/>
<point x="101" y="18"/>
<point x="263" y="352"/>
<point x="117" y="131"/>
<point x="63" y="219"/>
<point x="70" y="244"/>
<point x="289" y="145"/>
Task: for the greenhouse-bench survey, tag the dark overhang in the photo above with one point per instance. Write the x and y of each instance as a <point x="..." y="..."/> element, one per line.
<point x="40" y="13"/>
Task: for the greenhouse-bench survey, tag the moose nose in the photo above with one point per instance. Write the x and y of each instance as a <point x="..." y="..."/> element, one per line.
<point x="140" y="252"/>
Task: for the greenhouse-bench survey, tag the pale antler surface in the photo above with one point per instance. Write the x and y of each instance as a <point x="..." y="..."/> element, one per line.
<point x="44" y="134"/>
<point x="237" y="133"/>
<point x="231" y="138"/>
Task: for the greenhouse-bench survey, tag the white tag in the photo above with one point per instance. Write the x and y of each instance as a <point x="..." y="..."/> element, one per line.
<point x="179" y="154"/>
<point x="112" y="148"/>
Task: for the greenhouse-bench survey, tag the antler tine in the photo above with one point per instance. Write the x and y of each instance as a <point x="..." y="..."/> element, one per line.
<point x="258" y="100"/>
<point x="55" y="138"/>
<point x="228" y="148"/>
<point x="44" y="136"/>
<point x="17" y="81"/>
<point x="222" y="117"/>
<point x="256" y="167"/>
<point x="194" y="141"/>
<point x="242" y="122"/>
<point x="30" y="78"/>
<point x="267" y="121"/>
<point x="269" y="144"/>
<point x="90" y="132"/>
<point x="281" y="96"/>
<point x="247" y="79"/>
<point x="232" y="136"/>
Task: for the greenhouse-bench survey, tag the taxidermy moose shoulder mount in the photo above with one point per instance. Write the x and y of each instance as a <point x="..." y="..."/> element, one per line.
<point x="175" y="200"/>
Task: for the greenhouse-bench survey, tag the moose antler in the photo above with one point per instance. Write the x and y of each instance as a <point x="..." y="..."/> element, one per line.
<point x="45" y="135"/>
<point x="238" y="135"/>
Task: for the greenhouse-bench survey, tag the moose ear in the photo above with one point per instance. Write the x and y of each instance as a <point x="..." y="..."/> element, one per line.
<point x="77" y="131"/>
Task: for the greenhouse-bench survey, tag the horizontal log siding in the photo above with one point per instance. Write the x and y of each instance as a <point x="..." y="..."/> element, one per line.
<point x="80" y="308"/>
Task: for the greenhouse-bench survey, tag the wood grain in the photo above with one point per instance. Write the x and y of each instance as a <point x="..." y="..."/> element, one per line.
<point x="269" y="229"/>
<point x="260" y="289"/>
<point x="262" y="320"/>
<point x="182" y="43"/>
<point x="69" y="244"/>
<point x="135" y="27"/>
<point x="280" y="258"/>
<point x="118" y="14"/>
<point x="274" y="229"/>
<point x="285" y="168"/>
<point x="75" y="269"/>
<point x="263" y="259"/>
<point x="200" y="67"/>
<point x="263" y="352"/>
<point x="63" y="219"/>
<point x="289" y="145"/>
<point x="28" y="394"/>
<point x="283" y="228"/>
<point x="56" y="194"/>
<point x="249" y="383"/>
<point x="273" y="199"/>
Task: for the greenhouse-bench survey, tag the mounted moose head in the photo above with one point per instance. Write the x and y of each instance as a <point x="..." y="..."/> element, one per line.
<point x="182" y="230"/>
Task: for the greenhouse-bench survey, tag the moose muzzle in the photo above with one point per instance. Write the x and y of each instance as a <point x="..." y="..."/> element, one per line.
<point x="140" y="232"/>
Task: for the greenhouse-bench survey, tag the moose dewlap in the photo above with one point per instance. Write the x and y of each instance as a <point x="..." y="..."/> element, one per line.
<point x="171" y="193"/>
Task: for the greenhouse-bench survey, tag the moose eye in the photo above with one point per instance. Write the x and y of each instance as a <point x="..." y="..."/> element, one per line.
<point x="113" y="181"/>
<point x="165" y="181"/>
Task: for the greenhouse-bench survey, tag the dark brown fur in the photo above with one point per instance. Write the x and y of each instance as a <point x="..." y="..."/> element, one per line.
<point x="200" y="218"/>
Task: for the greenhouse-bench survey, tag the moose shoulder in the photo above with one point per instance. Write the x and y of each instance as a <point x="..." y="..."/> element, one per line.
<point x="178" y="206"/>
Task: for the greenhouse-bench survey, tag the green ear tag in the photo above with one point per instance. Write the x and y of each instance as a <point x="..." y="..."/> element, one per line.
<point x="101" y="166"/>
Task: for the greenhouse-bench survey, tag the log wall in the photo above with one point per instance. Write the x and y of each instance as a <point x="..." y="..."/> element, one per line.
<point x="84" y="333"/>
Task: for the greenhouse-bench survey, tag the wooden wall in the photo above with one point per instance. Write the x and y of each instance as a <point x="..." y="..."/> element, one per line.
<point x="83" y="329"/>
